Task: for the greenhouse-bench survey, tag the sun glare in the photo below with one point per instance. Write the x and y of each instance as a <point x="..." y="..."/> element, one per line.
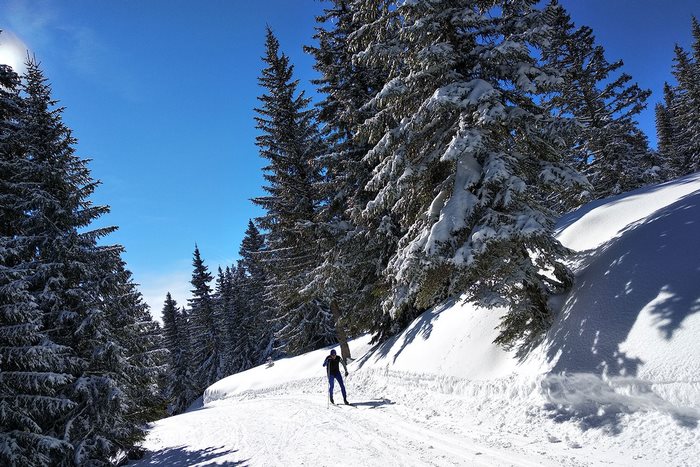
<point x="13" y="51"/>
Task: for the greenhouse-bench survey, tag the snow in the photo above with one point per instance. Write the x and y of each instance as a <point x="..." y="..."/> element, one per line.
<point x="454" y="212"/>
<point x="464" y="93"/>
<point x="615" y="381"/>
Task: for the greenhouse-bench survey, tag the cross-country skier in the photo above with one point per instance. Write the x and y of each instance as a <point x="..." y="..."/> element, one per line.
<point x="332" y="364"/>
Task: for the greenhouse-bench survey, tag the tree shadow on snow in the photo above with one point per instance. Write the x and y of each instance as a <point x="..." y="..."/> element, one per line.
<point x="592" y="401"/>
<point x="623" y="277"/>
<point x="421" y="327"/>
<point x="181" y="457"/>
<point x="618" y="281"/>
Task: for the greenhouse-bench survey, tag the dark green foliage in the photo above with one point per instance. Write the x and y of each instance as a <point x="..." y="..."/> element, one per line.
<point x="677" y="122"/>
<point x="290" y="142"/>
<point x="608" y="147"/>
<point x="258" y="328"/>
<point x="33" y="370"/>
<point x="353" y="248"/>
<point x="79" y="355"/>
<point x="464" y="157"/>
<point x="207" y="328"/>
<point x="180" y="386"/>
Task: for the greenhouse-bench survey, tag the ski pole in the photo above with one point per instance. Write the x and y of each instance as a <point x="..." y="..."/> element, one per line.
<point x="328" y="397"/>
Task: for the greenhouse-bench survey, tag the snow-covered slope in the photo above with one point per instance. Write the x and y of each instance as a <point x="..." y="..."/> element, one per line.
<point x="615" y="381"/>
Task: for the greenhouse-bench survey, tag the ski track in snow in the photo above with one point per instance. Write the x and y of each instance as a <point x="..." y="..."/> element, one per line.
<point x="397" y="421"/>
<point x="408" y="419"/>
<point x="301" y="429"/>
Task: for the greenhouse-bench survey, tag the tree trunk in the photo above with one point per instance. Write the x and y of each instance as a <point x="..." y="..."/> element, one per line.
<point x="340" y="332"/>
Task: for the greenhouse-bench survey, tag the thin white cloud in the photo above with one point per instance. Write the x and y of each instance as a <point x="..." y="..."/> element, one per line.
<point x="31" y="20"/>
<point x="62" y="40"/>
<point x="155" y="287"/>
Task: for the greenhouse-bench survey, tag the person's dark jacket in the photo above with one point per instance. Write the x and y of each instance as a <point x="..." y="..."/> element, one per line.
<point x="333" y="364"/>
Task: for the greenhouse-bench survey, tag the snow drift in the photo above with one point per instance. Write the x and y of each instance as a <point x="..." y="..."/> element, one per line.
<point x="615" y="380"/>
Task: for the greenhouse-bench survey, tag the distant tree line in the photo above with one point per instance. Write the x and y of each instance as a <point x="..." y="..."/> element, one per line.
<point x="677" y="121"/>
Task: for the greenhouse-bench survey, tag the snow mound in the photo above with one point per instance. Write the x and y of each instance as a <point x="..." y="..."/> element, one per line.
<point x="633" y="311"/>
<point x="282" y="373"/>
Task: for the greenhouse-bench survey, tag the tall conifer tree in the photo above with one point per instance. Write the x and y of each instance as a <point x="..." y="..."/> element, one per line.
<point x="354" y="249"/>
<point x="180" y="387"/>
<point x="463" y="154"/>
<point x="258" y="319"/>
<point x="224" y="296"/>
<point x="244" y="336"/>
<point x="291" y="144"/>
<point x="84" y="336"/>
<point x="609" y="148"/>
<point x="206" y="327"/>
<point x="677" y="123"/>
<point x="33" y="369"/>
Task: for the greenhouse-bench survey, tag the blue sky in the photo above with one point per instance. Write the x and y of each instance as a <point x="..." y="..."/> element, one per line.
<point x="160" y="94"/>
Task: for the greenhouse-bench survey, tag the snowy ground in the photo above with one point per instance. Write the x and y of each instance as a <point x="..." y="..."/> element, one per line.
<point x="615" y="382"/>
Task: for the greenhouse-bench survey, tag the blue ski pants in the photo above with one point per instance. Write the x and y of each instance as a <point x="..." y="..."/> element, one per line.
<point x="331" y="381"/>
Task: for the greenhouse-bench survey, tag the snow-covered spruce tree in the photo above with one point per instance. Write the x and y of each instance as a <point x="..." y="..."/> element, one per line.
<point x="74" y="284"/>
<point x="677" y="121"/>
<point x="224" y="299"/>
<point x="258" y="320"/>
<point x="609" y="148"/>
<point x="207" y="330"/>
<point x="180" y="388"/>
<point x="354" y="249"/>
<point x="142" y="349"/>
<point x="243" y="337"/>
<point x="289" y="140"/>
<point x="665" y="134"/>
<point x="467" y="157"/>
<point x="32" y="368"/>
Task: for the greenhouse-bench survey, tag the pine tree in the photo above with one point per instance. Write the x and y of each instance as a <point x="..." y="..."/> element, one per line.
<point x="32" y="368"/>
<point x="665" y="132"/>
<point x="257" y="320"/>
<point x="464" y="154"/>
<point x="609" y="148"/>
<point x="291" y="143"/>
<point x="142" y="348"/>
<point x="79" y="307"/>
<point x="681" y="105"/>
<point x="354" y="249"/>
<point x="223" y="298"/>
<point x="70" y="268"/>
<point x="244" y="333"/>
<point x="180" y="390"/>
<point x="207" y="329"/>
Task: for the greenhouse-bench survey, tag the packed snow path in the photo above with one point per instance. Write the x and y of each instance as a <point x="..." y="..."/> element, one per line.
<point x="400" y="419"/>
<point x="300" y="428"/>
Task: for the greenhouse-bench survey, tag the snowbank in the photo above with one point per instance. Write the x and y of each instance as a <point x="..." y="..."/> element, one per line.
<point x="633" y="311"/>
<point x="281" y="373"/>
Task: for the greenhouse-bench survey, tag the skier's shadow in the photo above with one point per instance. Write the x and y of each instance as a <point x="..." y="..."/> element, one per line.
<point x="179" y="456"/>
<point x="373" y="404"/>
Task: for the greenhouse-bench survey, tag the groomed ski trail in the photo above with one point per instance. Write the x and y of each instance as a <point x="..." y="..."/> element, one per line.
<point x="282" y="429"/>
